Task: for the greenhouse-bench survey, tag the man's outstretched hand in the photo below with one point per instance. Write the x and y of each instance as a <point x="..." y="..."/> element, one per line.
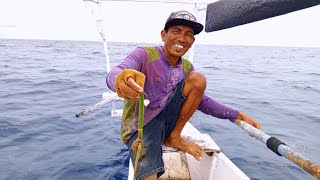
<point x="129" y="84"/>
<point x="242" y="116"/>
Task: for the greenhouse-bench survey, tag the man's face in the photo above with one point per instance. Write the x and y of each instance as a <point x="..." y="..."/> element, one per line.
<point x="177" y="40"/>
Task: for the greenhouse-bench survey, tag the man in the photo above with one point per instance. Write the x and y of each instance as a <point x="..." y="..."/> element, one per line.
<point x="175" y="91"/>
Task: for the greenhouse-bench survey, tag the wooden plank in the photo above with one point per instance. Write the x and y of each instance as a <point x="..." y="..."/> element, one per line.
<point x="176" y="166"/>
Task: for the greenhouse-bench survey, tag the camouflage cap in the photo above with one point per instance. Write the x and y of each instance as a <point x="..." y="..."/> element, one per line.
<point x="183" y="18"/>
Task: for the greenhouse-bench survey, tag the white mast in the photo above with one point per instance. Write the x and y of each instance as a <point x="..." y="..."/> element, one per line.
<point x="96" y="12"/>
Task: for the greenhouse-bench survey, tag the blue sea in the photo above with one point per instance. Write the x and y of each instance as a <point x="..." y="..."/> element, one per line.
<point x="43" y="84"/>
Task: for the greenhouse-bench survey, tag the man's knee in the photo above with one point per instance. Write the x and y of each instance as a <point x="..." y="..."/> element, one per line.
<point x="195" y="81"/>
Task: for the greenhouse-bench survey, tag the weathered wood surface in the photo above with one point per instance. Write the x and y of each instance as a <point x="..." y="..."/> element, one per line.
<point x="176" y="166"/>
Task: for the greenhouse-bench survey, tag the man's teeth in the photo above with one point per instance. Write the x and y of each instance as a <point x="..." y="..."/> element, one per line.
<point x="179" y="46"/>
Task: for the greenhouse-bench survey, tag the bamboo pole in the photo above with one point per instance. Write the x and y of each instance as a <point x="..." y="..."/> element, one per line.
<point x="281" y="149"/>
<point x="140" y="133"/>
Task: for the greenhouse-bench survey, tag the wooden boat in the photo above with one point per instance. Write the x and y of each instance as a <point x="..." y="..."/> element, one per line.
<point x="214" y="166"/>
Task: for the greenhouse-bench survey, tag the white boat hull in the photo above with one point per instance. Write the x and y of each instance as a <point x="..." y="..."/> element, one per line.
<point x="215" y="167"/>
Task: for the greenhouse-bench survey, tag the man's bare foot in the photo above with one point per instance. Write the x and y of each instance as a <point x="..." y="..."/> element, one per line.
<point x="182" y="144"/>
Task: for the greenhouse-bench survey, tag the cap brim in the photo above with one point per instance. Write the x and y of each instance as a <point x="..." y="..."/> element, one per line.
<point x="197" y="27"/>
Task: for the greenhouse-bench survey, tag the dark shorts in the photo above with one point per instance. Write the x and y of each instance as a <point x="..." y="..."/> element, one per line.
<point x="155" y="133"/>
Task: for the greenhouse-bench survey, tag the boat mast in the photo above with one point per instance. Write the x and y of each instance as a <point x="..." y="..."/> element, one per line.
<point x="108" y="96"/>
<point x="196" y="9"/>
<point x="97" y="13"/>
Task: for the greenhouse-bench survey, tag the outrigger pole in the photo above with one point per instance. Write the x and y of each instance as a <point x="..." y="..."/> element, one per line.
<point x="95" y="106"/>
<point x="111" y="96"/>
<point x="281" y="149"/>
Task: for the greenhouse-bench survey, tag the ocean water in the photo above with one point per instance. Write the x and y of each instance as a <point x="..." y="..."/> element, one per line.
<point x="43" y="84"/>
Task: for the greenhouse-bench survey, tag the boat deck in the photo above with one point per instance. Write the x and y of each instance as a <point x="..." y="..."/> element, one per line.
<point x="214" y="165"/>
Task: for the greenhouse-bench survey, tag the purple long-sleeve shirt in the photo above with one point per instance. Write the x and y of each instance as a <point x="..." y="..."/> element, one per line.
<point x="161" y="80"/>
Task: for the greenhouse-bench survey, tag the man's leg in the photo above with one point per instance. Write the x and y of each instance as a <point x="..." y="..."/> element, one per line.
<point x="154" y="134"/>
<point x="153" y="177"/>
<point x="195" y="84"/>
<point x="151" y="164"/>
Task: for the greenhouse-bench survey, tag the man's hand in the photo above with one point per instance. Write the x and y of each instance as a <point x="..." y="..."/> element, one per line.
<point x="129" y="84"/>
<point x="242" y="116"/>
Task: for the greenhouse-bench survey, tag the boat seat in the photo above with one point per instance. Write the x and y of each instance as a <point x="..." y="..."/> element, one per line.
<point x="175" y="161"/>
<point x="176" y="166"/>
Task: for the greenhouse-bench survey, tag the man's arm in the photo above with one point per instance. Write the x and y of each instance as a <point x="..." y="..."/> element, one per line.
<point x="214" y="108"/>
<point x="111" y="77"/>
<point x="242" y="116"/>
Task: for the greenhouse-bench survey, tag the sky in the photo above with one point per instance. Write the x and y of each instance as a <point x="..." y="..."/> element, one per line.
<point x="142" y="22"/>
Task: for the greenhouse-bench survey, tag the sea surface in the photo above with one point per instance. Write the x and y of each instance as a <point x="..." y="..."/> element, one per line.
<point x="43" y="84"/>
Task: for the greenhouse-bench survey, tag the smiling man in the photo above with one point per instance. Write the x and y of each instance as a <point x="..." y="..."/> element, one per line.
<point x="175" y="91"/>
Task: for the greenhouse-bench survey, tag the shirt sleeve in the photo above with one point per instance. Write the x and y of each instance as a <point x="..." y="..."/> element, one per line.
<point x="214" y="108"/>
<point x="133" y="61"/>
